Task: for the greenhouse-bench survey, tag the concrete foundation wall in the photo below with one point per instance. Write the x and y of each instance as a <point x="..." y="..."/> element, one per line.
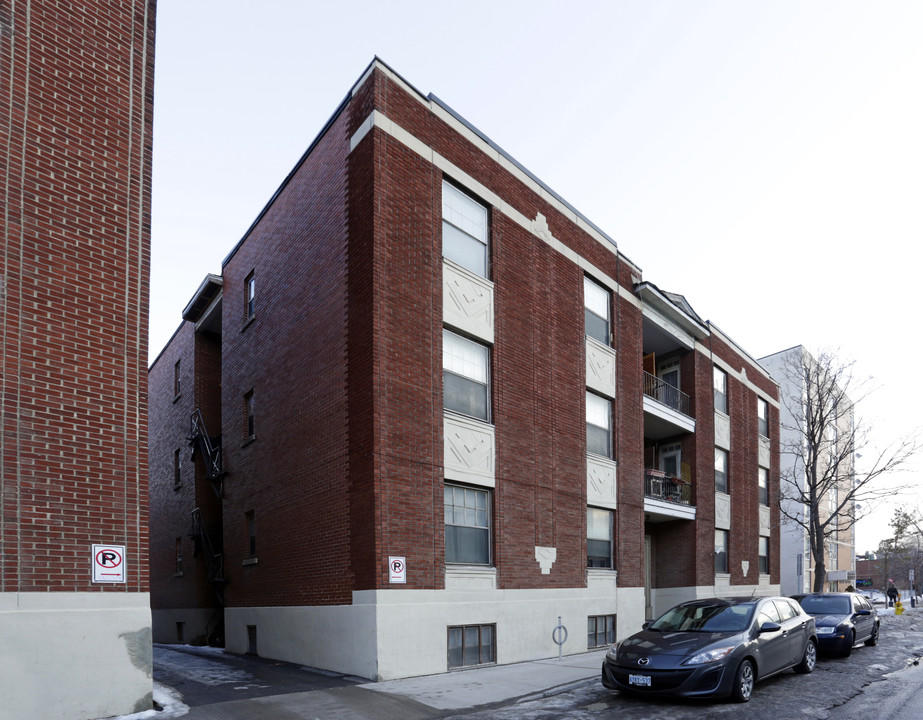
<point x="74" y="656"/>
<point x="406" y="630"/>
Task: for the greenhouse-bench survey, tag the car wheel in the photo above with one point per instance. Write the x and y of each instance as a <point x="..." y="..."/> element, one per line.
<point x="743" y="682"/>
<point x="873" y="639"/>
<point x="809" y="660"/>
<point x="850" y="641"/>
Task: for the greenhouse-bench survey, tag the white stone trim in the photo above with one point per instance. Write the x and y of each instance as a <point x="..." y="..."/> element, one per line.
<point x="467" y="301"/>
<point x="385" y="124"/>
<point x="601" y="482"/>
<point x="764" y="521"/>
<point x="722" y="511"/>
<point x="470" y="450"/>
<point x="723" y="432"/>
<point x="470" y="577"/>
<point x="600" y="367"/>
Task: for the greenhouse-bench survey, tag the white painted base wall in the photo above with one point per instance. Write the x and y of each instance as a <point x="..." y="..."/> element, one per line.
<point x="665" y="598"/>
<point x="197" y="621"/>
<point x="74" y="656"/>
<point x="389" y="634"/>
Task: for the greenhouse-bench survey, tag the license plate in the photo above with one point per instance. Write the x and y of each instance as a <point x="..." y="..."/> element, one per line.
<point x="642" y="680"/>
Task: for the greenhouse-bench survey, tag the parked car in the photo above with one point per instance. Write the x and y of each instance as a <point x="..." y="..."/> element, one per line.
<point x="718" y="647"/>
<point x="842" y="620"/>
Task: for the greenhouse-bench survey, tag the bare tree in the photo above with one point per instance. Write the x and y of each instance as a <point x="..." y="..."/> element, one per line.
<point x="822" y="487"/>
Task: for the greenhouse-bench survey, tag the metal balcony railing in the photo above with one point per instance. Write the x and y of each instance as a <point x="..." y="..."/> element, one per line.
<point x="666" y="394"/>
<point x="660" y="486"/>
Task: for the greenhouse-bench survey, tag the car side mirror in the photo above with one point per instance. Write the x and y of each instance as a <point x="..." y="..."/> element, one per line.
<point x="863" y="611"/>
<point x="646" y="624"/>
<point x="767" y="627"/>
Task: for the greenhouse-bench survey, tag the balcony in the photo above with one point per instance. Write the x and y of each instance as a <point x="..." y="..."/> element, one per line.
<point x="667" y="498"/>
<point x="667" y="409"/>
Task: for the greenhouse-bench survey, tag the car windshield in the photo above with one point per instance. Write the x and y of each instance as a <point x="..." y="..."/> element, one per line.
<point x="820" y="605"/>
<point x="705" y="618"/>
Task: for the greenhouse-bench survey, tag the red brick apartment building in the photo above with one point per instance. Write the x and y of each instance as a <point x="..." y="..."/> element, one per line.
<point x="433" y="409"/>
<point x="76" y="100"/>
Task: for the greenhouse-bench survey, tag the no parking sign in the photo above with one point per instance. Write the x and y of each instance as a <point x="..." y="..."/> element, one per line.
<point x="108" y="563"/>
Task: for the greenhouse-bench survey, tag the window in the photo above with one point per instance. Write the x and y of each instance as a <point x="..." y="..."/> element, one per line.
<point x="598" y="425"/>
<point x="769" y="613"/>
<point x="786" y="610"/>
<point x="598" y="538"/>
<point x="763" y="483"/>
<point x="721" y="551"/>
<point x="670" y="456"/>
<point x="177" y="477"/>
<point x="600" y="631"/>
<point x="179" y="556"/>
<point x="472" y="645"/>
<point x="467" y="525"/>
<point x="251" y="533"/>
<point x="596" y="302"/>
<point x="177" y="388"/>
<point x="249" y="297"/>
<point x="762" y="413"/>
<point x="465" y="376"/>
<point x="720" y="380"/>
<point x="721" y="470"/>
<point x="764" y="555"/>
<point x="464" y="230"/>
<point x="249" y="415"/>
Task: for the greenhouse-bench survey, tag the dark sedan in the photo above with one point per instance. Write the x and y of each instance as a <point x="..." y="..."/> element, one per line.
<point x="713" y="648"/>
<point x="842" y="620"/>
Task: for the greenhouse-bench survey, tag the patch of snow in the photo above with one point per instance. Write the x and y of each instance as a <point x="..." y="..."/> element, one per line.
<point x="168" y="698"/>
<point x="200" y="669"/>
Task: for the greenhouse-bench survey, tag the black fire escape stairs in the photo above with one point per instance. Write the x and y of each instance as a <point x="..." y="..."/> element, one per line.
<point x="210" y="448"/>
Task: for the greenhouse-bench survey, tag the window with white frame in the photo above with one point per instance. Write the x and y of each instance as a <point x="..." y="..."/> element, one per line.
<point x="721" y="470"/>
<point x="596" y="301"/>
<point x="720" y="381"/>
<point x="599" y="537"/>
<point x="598" y="425"/>
<point x="467" y="525"/>
<point x="465" y="376"/>
<point x="464" y="230"/>
<point x="764" y="555"/>
<point x="762" y="413"/>
<point x="721" y="551"/>
<point x="763" y="485"/>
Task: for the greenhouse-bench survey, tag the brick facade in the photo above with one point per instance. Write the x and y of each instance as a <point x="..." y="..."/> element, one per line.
<point x="76" y="98"/>
<point x="350" y="455"/>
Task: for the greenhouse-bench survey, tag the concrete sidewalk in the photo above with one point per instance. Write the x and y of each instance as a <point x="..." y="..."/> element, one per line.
<point x="420" y="698"/>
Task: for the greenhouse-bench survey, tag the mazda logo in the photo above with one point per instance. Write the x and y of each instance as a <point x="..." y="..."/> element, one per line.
<point x="643" y="661"/>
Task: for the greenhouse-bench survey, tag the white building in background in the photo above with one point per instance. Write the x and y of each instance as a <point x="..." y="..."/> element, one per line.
<point x="796" y="564"/>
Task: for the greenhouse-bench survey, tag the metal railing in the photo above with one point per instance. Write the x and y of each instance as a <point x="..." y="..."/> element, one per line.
<point x="666" y="394"/>
<point x="660" y="486"/>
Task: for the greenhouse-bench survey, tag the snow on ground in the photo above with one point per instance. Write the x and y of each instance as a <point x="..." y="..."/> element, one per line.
<point x="170" y="700"/>
<point x="198" y="667"/>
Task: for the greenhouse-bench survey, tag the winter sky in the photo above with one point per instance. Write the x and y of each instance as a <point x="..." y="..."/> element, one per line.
<point x="761" y="158"/>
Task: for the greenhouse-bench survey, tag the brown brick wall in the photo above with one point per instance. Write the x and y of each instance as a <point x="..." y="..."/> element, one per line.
<point x="293" y="357"/>
<point x="75" y="158"/>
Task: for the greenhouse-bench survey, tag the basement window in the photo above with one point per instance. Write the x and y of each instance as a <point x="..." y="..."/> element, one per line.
<point x="600" y="631"/>
<point x="471" y="645"/>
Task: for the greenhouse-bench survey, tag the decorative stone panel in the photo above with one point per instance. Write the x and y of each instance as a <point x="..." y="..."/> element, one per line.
<point x="600" y="368"/>
<point x="764" y="455"/>
<point x="764" y="521"/>
<point x="601" y="482"/>
<point x="722" y="511"/>
<point x="467" y="301"/>
<point x="470" y="450"/>
<point x="722" y="431"/>
<point x="545" y="557"/>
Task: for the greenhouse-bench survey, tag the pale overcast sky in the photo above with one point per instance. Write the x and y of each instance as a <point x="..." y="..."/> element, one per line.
<point x="764" y="159"/>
